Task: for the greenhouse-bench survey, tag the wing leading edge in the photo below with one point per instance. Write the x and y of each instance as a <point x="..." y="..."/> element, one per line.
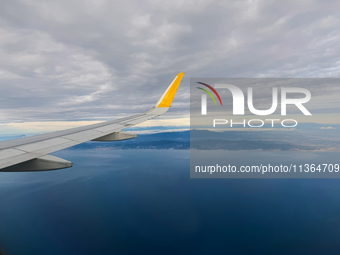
<point x="31" y="153"/>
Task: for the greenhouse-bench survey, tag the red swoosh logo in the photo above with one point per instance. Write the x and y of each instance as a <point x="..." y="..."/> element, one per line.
<point x="213" y="90"/>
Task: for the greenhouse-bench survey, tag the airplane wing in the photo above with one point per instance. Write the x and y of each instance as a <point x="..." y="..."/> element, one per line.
<point x="31" y="153"/>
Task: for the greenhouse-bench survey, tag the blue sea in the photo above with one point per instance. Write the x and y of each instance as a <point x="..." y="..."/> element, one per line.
<point x="144" y="202"/>
<point x="136" y="197"/>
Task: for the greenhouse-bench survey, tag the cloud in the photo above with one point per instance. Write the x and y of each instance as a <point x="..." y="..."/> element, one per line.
<point x="327" y="127"/>
<point x="40" y="127"/>
<point x="29" y="128"/>
<point x="97" y="60"/>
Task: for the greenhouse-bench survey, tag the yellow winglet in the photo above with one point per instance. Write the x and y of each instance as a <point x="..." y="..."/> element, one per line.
<point x="169" y="94"/>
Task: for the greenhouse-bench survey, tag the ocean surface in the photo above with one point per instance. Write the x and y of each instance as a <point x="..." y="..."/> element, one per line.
<point x="142" y="201"/>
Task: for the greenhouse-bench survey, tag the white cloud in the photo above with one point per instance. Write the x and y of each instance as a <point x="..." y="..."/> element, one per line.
<point x="328" y="127"/>
<point x="330" y="21"/>
<point x="89" y="60"/>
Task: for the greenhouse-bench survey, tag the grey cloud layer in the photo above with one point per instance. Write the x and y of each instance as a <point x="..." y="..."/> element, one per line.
<point x="67" y="60"/>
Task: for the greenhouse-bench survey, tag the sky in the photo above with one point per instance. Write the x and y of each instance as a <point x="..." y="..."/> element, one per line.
<point x="66" y="61"/>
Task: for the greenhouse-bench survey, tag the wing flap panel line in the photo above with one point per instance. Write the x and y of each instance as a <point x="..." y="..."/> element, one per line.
<point x="10" y="153"/>
<point x="84" y="135"/>
<point x="43" y="144"/>
<point x="110" y="128"/>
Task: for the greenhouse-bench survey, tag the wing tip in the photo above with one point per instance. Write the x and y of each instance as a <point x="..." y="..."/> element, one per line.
<point x="169" y="94"/>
